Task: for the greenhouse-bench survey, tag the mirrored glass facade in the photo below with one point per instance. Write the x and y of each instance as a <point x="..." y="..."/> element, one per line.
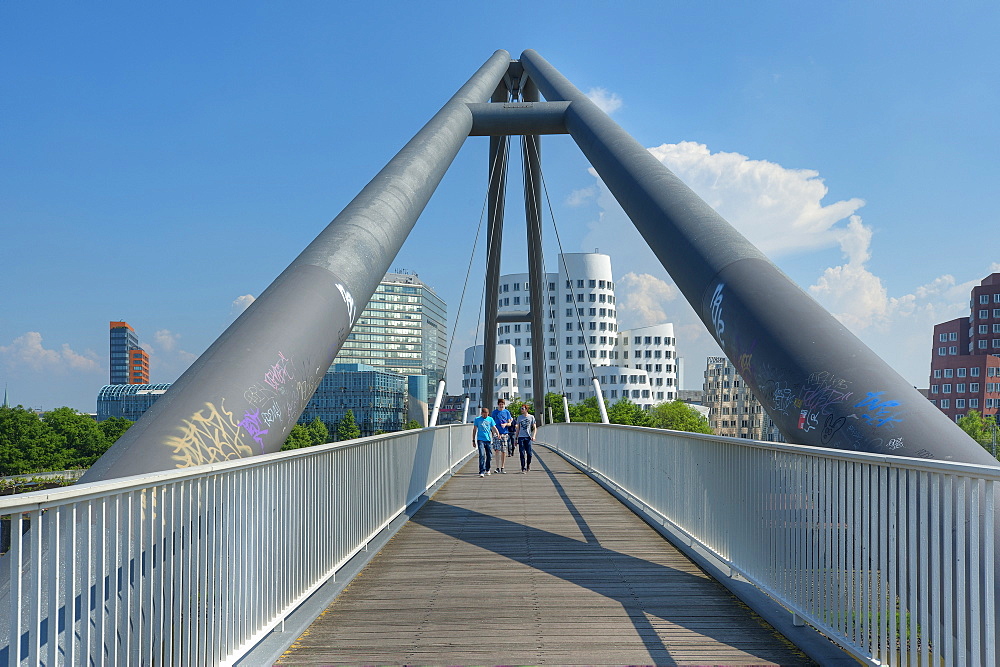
<point x="403" y="329"/>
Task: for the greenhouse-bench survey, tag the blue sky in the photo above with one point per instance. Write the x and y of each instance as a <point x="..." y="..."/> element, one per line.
<point x="162" y="164"/>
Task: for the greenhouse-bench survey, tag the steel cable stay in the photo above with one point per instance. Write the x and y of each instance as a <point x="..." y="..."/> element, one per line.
<point x="500" y="162"/>
<point x="572" y="289"/>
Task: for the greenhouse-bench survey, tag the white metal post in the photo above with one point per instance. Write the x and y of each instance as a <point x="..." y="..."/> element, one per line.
<point x="437" y="403"/>
<point x="600" y="402"/>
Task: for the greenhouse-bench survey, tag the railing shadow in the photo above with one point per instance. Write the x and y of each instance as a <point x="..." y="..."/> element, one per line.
<point x="576" y="562"/>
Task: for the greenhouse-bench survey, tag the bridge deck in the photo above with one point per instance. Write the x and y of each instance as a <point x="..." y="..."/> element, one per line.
<point x="541" y="568"/>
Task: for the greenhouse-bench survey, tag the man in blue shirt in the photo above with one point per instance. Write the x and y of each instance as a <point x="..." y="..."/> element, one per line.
<point x="505" y="422"/>
<point x="484" y="429"/>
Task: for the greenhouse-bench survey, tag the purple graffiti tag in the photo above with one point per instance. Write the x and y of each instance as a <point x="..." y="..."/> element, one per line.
<point x="251" y="422"/>
<point x="278" y="375"/>
<point x="882" y="415"/>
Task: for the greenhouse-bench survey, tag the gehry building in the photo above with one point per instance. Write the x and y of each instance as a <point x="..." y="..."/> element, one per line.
<point x="583" y="341"/>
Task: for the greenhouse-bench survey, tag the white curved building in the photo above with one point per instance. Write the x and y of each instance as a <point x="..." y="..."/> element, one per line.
<point x="582" y="338"/>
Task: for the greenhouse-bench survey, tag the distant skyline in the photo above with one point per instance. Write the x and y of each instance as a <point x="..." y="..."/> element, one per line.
<point x="163" y="164"/>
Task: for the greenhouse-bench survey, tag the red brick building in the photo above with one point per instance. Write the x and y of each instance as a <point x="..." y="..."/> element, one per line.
<point x="965" y="358"/>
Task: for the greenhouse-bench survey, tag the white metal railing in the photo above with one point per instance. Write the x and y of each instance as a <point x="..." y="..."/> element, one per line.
<point x="195" y="566"/>
<point x="893" y="558"/>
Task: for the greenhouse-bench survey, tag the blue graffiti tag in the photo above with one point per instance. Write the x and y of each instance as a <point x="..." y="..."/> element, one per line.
<point x="878" y="410"/>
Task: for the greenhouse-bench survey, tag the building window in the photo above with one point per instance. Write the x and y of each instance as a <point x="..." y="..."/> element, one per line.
<point x="943" y="337"/>
<point x="592" y="284"/>
<point x="934" y="389"/>
<point x="961" y="372"/>
<point x="959" y="402"/>
<point x="942" y="351"/>
<point x="945" y="403"/>
<point x="984" y="298"/>
<point x="973" y="402"/>
<point x="953" y="350"/>
<point x="983" y="344"/>
<point x="937" y="372"/>
<point x="946" y="389"/>
<point x="983" y="314"/>
<point x="960" y="388"/>
<point x="949" y="373"/>
<point x="974" y="387"/>
<point x="952" y="336"/>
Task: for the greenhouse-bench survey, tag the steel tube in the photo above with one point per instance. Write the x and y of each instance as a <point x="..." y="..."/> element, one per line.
<point x="778" y="337"/>
<point x="494" y="240"/>
<point x="244" y="394"/>
<point x="531" y="149"/>
<point x="518" y="118"/>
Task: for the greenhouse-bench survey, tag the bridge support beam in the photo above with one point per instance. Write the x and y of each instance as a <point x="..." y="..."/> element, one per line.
<point x="536" y="275"/>
<point x="244" y="394"/>
<point x="818" y="382"/>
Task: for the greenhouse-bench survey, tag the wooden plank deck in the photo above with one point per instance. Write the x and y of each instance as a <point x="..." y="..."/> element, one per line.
<point x="541" y="568"/>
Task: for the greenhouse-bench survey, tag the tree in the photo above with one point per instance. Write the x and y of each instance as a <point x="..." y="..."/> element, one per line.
<point x="347" y="428"/>
<point x="624" y="411"/>
<point x="586" y="410"/>
<point x="554" y="401"/>
<point x="318" y="432"/>
<point x="300" y="436"/>
<point x="114" y="427"/>
<point x="679" y="416"/>
<point x="979" y="428"/>
<point x="84" y="441"/>
<point x="410" y="425"/>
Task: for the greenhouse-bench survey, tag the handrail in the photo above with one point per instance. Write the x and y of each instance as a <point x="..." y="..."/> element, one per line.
<point x="195" y="566"/>
<point x="892" y="558"/>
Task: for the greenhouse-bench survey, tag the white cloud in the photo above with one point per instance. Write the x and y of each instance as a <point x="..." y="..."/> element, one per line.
<point x="241" y="303"/>
<point x="641" y="299"/>
<point x="581" y="197"/>
<point x="605" y="100"/>
<point x="781" y="211"/>
<point x="166" y="339"/>
<point x="28" y="351"/>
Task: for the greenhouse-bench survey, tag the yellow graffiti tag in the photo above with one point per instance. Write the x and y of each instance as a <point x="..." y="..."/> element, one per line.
<point x="210" y="435"/>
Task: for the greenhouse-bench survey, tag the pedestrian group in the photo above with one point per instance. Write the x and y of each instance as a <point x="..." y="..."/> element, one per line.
<point x="495" y="433"/>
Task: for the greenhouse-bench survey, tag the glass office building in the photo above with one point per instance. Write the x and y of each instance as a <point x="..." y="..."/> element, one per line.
<point x="375" y="396"/>
<point x="129" y="362"/>
<point x="127" y="400"/>
<point x="403" y="329"/>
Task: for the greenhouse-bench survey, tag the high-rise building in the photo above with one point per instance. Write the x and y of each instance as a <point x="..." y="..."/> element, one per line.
<point x="965" y="356"/>
<point x="129" y="362"/>
<point x="734" y="410"/>
<point x="374" y="395"/>
<point x="403" y="329"/>
<point x="583" y="341"/>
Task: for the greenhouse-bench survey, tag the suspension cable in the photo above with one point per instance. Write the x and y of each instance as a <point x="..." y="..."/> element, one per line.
<point x="562" y="257"/>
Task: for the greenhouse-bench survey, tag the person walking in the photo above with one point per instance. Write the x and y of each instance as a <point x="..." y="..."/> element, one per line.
<point x="505" y="423"/>
<point x="484" y="430"/>
<point x="525" y="432"/>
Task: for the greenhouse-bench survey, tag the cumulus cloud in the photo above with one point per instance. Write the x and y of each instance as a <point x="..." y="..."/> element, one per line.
<point x="784" y="213"/>
<point x="779" y="210"/>
<point x="28" y="351"/>
<point x="641" y="299"/>
<point x="581" y="196"/>
<point x="241" y="303"/>
<point x="605" y="100"/>
<point x="166" y="339"/>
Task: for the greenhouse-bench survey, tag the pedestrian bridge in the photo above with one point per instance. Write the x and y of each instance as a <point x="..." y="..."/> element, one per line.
<point x="841" y="555"/>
